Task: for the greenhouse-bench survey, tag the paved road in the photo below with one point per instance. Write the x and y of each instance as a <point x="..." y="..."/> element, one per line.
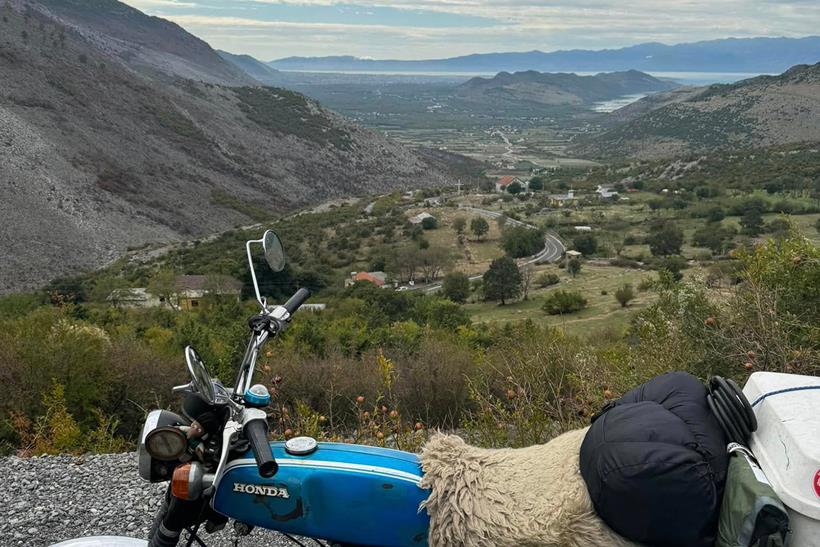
<point x="552" y="252"/>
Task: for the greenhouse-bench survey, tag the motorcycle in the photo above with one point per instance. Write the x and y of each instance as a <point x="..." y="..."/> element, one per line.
<point x="221" y="466"/>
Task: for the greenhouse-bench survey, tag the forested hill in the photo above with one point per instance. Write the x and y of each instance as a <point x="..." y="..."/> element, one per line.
<point x="106" y="143"/>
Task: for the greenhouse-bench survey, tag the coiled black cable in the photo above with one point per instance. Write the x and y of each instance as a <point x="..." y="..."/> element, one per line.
<point x="731" y="409"/>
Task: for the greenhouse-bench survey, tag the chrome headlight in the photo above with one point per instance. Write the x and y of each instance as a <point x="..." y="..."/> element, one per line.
<point x="153" y="465"/>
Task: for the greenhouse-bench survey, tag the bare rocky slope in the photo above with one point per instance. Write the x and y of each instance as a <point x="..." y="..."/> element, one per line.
<point x="758" y="112"/>
<point x="104" y="146"/>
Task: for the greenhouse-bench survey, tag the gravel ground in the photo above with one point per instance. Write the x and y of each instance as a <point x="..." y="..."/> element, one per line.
<point x="49" y="499"/>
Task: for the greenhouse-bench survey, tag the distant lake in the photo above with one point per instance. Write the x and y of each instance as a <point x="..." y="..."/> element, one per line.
<point x="615" y="104"/>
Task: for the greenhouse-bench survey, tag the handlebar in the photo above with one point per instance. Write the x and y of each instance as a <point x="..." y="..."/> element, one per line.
<point x="296" y="300"/>
<point x="256" y="431"/>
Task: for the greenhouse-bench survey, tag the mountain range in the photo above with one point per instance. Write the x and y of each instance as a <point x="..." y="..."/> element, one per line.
<point x="757" y="112"/>
<point x="757" y="55"/>
<point x="118" y="129"/>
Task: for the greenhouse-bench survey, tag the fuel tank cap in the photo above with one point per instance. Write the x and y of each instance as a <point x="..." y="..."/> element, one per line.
<point x="301" y="446"/>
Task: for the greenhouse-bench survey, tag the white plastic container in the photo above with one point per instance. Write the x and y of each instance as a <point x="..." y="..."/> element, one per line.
<point x="787" y="445"/>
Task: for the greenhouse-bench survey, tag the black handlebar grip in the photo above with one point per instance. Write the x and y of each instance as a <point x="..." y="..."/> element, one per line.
<point x="256" y="432"/>
<point x="297" y="300"/>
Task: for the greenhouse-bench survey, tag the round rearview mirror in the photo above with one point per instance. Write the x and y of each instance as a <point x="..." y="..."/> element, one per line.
<point x="200" y="378"/>
<point x="274" y="252"/>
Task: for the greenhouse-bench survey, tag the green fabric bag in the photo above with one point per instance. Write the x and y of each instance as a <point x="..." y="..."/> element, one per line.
<point x="751" y="514"/>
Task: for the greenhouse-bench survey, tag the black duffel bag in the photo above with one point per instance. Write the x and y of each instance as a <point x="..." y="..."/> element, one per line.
<point x="655" y="463"/>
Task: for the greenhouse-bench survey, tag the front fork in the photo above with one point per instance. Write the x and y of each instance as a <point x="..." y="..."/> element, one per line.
<point x="176" y="515"/>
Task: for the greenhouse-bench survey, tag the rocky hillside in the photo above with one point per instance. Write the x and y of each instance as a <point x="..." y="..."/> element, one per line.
<point x="146" y="43"/>
<point x="101" y="151"/>
<point x="762" y="111"/>
<point x="560" y="88"/>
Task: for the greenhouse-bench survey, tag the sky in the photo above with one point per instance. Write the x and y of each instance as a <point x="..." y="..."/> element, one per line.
<point x="429" y="29"/>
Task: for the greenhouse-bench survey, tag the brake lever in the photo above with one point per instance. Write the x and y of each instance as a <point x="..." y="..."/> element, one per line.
<point x="229" y="434"/>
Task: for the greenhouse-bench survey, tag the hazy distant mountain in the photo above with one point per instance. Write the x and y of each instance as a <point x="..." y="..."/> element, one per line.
<point x="103" y="147"/>
<point x="728" y="55"/>
<point x="253" y="67"/>
<point x="762" y="111"/>
<point x="560" y="88"/>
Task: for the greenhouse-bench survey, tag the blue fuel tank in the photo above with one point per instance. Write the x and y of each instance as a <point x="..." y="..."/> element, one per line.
<point x="351" y="494"/>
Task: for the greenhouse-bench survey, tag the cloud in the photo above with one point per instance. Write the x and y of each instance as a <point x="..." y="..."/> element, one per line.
<point x="443" y="28"/>
<point x="150" y="4"/>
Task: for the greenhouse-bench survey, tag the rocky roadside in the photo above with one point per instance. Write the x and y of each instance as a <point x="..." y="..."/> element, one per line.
<point x="48" y="499"/>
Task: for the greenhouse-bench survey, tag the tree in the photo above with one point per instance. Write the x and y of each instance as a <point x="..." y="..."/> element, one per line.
<point x="536" y="183"/>
<point x="515" y="188"/>
<point x="561" y="302"/>
<point x="624" y="295"/>
<point x="520" y="241"/>
<point x="456" y="287"/>
<point x="432" y="261"/>
<point x="585" y="244"/>
<point x="404" y="262"/>
<point x="163" y="285"/>
<point x="527" y="274"/>
<point x="574" y="266"/>
<point x="429" y="223"/>
<point x="673" y="265"/>
<point x="751" y="222"/>
<point x="715" y="214"/>
<point x="502" y="281"/>
<point x="665" y="239"/>
<point x="459" y="225"/>
<point x="714" y="236"/>
<point x="479" y="226"/>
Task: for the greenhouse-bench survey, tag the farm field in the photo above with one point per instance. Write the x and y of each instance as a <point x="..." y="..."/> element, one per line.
<point x="603" y="313"/>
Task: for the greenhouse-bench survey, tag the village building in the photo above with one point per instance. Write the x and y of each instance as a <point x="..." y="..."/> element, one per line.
<point x="138" y="297"/>
<point x="502" y="183"/>
<point x="559" y="200"/>
<point x="583" y="228"/>
<point x="191" y="290"/>
<point x="606" y="193"/>
<point x="377" y="278"/>
<point x="187" y="293"/>
<point x="419" y="218"/>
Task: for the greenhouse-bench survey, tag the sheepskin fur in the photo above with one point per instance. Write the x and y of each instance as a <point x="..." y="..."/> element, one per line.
<point x="505" y="497"/>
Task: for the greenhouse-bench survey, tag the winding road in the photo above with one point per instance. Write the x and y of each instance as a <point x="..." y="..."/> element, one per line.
<point x="552" y="252"/>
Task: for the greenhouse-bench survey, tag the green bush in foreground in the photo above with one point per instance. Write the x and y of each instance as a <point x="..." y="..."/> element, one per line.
<point x="417" y="362"/>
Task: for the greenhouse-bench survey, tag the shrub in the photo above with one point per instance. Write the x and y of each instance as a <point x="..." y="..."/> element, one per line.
<point x="624" y="295"/>
<point x="429" y="223"/>
<point x="585" y="244"/>
<point x="547" y="279"/>
<point x="561" y="302"/>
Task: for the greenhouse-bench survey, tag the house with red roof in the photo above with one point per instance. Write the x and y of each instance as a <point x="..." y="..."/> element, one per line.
<point x="377" y="278"/>
<point x="502" y="183"/>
